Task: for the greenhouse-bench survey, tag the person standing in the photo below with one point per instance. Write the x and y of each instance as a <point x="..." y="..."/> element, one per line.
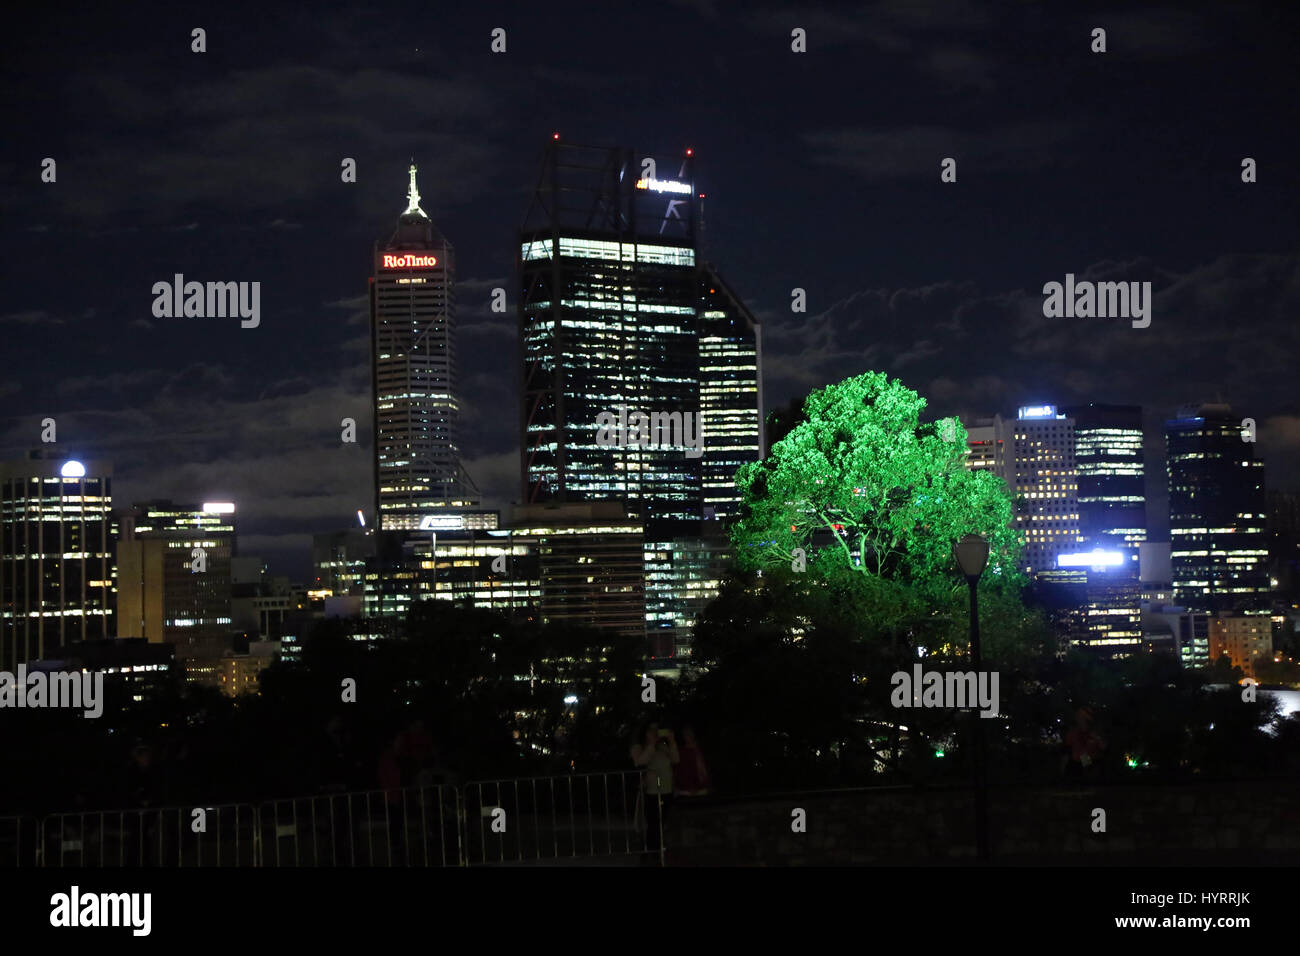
<point x="657" y="754"/>
<point x="1083" y="746"/>
<point x="692" y="774"/>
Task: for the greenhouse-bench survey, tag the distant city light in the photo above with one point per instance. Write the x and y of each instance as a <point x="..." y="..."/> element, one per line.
<point x="663" y="186"/>
<point x="1036" y="411"/>
<point x="361" y="518"/>
<point x="218" y="507"/>
<point x="442" y="523"/>
<point x="73" y="469"/>
<point x="1091" y="559"/>
<point x="571" y="699"/>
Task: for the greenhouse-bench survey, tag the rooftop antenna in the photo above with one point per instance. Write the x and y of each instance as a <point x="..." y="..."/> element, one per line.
<point x="413" y="196"/>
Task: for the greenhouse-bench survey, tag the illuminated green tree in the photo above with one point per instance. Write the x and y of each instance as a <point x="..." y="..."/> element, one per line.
<point x="863" y="487"/>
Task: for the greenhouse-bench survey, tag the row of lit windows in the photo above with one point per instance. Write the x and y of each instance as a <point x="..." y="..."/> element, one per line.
<point x="599" y="249"/>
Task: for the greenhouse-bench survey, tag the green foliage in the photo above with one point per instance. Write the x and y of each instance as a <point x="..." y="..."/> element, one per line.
<point x="862" y="485"/>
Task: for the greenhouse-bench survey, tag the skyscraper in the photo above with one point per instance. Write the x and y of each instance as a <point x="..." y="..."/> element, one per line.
<point x="1109" y="459"/>
<point x="174" y="581"/>
<point x="1217" y="508"/>
<point x="618" y="317"/>
<point x="730" y="392"/>
<point x="1035" y="456"/>
<point x="56" y="555"/>
<point x="412" y="324"/>
<point x="1095" y="599"/>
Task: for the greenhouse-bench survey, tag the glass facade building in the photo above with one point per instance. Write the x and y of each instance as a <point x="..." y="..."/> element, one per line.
<point x="56" y="556"/>
<point x="1112" y="498"/>
<point x="1217" y="513"/>
<point x="619" y="318"/>
<point x="730" y="393"/>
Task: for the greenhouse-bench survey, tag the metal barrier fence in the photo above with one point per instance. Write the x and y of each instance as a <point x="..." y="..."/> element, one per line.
<point x="415" y="826"/>
<point x="553" y="818"/>
<point x="17" y="837"/>
<point x="165" y="836"/>
<point x="538" y="819"/>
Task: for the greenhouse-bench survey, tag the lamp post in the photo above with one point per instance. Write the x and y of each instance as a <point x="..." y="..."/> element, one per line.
<point x="972" y="555"/>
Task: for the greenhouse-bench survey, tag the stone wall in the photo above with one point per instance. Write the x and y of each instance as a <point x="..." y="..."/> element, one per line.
<point x="1174" y="824"/>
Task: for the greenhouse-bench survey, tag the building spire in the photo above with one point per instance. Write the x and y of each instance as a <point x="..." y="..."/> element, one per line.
<point x="413" y="196"/>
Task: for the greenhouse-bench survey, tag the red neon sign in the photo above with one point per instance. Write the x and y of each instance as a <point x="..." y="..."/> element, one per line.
<point x="408" y="261"/>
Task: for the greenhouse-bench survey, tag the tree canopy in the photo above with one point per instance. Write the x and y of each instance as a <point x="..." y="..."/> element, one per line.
<point x="863" y="485"/>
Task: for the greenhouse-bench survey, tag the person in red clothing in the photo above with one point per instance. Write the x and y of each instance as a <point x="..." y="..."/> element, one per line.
<point x="1083" y="747"/>
<point x="417" y="754"/>
<point x="692" y="773"/>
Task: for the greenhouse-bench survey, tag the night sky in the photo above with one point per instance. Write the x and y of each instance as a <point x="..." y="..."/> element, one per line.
<point x="821" y="169"/>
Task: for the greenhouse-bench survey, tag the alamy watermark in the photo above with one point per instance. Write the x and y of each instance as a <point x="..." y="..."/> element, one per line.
<point x="76" y="909"/>
<point x="650" y="430"/>
<point x="212" y="300"/>
<point x="76" y="690"/>
<point x="1101" y="300"/>
<point x="954" y="689"/>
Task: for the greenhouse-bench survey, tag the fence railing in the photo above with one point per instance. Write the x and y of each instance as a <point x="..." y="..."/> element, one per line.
<point x="553" y="818"/>
<point x="223" y="835"/>
<point x="17" y="840"/>
<point x="537" y="819"/>
<point x="415" y="826"/>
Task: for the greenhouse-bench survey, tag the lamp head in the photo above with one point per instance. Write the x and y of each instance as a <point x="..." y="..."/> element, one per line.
<point x="972" y="554"/>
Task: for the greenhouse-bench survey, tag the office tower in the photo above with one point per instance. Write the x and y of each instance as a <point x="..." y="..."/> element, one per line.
<point x="1035" y="456"/>
<point x="1245" y="639"/>
<point x="617" y="320"/>
<point x="578" y="563"/>
<point x="56" y="556"/>
<point x="413" y="368"/>
<point x="1109" y="459"/>
<point x="174" y="580"/>
<point x="987" y="440"/>
<point x="1219" y="547"/>
<point x="1092" y="595"/>
<point x="339" y="560"/>
<point x="136" y="672"/>
<point x="682" y="575"/>
<point x="1188" y="631"/>
<point x="591" y="564"/>
<point x="731" y="393"/>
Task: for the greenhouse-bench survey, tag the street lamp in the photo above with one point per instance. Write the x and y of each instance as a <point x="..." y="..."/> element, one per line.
<point x="972" y="555"/>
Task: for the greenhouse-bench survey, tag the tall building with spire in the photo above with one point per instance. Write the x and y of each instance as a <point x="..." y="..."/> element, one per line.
<point x="418" y="474"/>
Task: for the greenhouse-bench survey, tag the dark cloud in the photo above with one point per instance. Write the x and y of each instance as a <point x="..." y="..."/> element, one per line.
<point x="916" y="151"/>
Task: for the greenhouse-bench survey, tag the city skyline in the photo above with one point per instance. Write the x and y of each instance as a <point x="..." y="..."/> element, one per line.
<point x="698" y="435"/>
<point x="251" y="415"/>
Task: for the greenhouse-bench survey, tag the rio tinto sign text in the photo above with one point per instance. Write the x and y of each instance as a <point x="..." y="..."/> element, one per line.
<point x="409" y="261"/>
